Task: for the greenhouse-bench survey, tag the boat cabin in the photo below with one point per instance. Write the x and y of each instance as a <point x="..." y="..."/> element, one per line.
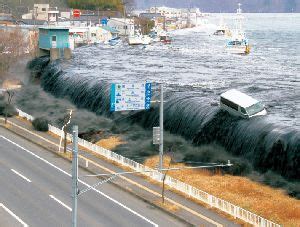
<point x="220" y="32"/>
<point x="240" y="104"/>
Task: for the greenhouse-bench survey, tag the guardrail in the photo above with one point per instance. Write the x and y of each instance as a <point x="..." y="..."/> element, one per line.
<point x="192" y="192"/>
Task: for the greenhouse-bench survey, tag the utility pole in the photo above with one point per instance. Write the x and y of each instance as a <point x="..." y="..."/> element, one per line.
<point x="161" y="127"/>
<point x="75" y="176"/>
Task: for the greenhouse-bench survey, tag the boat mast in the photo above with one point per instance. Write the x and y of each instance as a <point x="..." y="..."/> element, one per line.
<point x="239" y="17"/>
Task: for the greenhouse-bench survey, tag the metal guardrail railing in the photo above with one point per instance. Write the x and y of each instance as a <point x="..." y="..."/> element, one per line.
<point x="192" y="192"/>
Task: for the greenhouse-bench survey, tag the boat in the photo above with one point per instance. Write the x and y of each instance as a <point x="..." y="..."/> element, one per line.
<point x="164" y="38"/>
<point x="238" y="43"/>
<point x="139" y="39"/>
<point x="114" y="41"/>
<point x="154" y="35"/>
<point x="160" y="35"/>
<point x="222" y="29"/>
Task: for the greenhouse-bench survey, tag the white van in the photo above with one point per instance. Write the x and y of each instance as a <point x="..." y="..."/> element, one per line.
<point x="240" y="104"/>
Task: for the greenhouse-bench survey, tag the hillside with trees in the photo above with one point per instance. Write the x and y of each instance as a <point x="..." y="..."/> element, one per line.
<point x="96" y="4"/>
<point x="19" y="7"/>
<point x="26" y="5"/>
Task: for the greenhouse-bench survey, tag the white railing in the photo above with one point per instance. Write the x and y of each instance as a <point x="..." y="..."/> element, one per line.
<point x="212" y="201"/>
<point x="25" y="115"/>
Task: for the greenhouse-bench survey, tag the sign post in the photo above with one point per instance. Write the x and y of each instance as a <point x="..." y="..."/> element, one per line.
<point x="76" y="13"/>
<point x="161" y="126"/>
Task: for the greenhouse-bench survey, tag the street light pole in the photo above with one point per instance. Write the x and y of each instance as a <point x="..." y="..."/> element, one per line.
<point x="161" y="127"/>
<point x="75" y="176"/>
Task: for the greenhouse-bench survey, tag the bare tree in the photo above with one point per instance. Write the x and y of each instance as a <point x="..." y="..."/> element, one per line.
<point x="12" y="47"/>
<point x="10" y="95"/>
<point x="165" y="174"/>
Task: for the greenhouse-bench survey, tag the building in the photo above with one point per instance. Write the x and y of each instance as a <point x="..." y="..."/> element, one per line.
<point x="42" y="12"/>
<point x="79" y="35"/>
<point x="114" y="32"/>
<point x="167" y="12"/>
<point x="125" y="26"/>
<point x="99" y="35"/>
<point x="54" y="41"/>
<point x="150" y="16"/>
<point x="53" y="14"/>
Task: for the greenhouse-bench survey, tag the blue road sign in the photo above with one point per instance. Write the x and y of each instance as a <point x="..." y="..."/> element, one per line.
<point x="135" y="96"/>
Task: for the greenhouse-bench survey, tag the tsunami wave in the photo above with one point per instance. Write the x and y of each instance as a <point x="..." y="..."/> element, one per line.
<point x="265" y="144"/>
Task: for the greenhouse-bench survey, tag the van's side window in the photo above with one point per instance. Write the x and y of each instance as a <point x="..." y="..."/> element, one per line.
<point x="229" y="104"/>
<point x="243" y="110"/>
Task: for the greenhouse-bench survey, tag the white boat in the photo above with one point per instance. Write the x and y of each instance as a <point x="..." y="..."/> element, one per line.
<point x="222" y="29"/>
<point x="114" y="41"/>
<point x="139" y="39"/>
<point x="238" y="43"/>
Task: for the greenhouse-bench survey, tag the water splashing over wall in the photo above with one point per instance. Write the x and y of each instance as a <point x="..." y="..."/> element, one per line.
<point x="265" y="144"/>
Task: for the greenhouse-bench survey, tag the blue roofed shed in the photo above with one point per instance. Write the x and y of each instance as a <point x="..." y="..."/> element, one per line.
<point x="53" y="38"/>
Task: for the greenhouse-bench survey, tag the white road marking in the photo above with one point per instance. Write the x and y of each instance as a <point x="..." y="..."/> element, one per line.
<point x="61" y="203"/>
<point x="14" y="215"/>
<point x="86" y="184"/>
<point x="20" y="175"/>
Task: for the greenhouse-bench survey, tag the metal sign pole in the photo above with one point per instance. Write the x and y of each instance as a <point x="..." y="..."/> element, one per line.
<point x="75" y="176"/>
<point x="161" y="126"/>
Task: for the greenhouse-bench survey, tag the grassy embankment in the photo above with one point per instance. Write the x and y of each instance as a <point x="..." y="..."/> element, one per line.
<point x="263" y="200"/>
<point x="270" y="203"/>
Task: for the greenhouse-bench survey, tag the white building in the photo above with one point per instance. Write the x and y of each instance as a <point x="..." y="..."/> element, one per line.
<point x="99" y="35"/>
<point x="167" y="12"/>
<point x="124" y="26"/>
<point x="192" y="16"/>
<point x="42" y="12"/>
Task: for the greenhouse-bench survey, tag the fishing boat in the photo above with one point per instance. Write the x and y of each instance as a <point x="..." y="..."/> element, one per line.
<point x="139" y="39"/>
<point x="238" y="43"/>
<point x="222" y="29"/>
<point x="164" y="37"/>
<point x="114" y="41"/>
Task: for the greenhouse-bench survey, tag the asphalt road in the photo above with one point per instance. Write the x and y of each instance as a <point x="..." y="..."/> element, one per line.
<point x="35" y="190"/>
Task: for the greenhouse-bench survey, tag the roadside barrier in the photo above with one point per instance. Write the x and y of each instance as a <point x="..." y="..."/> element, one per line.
<point x="190" y="191"/>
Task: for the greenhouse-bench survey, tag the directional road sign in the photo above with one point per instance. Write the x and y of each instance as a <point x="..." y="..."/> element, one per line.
<point x="125" y="96"/>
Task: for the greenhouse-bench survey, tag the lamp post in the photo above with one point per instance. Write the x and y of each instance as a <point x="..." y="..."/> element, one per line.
<point x="74" y="176"/>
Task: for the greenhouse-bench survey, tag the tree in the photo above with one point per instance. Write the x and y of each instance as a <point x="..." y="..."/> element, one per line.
<point x="10" y="95"/>
<point x="144" y="24"/>
<point x="12" y="47"/>
<point x="97" y="4"/>
<point x="41" y="124"/>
